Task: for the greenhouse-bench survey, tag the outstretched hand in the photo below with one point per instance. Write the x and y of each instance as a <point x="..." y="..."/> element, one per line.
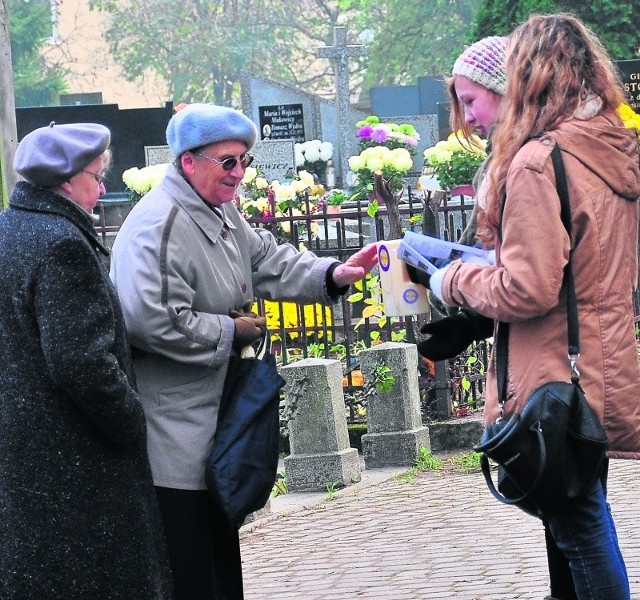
<point x="356" y="267"/>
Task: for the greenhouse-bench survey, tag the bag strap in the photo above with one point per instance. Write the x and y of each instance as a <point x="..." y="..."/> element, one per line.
<point x="573" y="335"/>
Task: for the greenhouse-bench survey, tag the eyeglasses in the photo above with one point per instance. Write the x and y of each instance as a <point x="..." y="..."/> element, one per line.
<point x="98" y="177"/>
<point x="230" y="162"/>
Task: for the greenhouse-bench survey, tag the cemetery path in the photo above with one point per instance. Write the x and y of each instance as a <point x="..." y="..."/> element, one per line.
<point x="440" y="536"/>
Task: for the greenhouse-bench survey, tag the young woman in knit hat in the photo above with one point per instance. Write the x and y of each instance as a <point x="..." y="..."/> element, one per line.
<point x="563" y="91"/>
<point x="476" y="88"/>
<point x="78" y="513"/>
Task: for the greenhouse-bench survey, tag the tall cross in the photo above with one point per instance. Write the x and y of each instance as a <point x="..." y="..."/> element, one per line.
<point x="339" y="55"/>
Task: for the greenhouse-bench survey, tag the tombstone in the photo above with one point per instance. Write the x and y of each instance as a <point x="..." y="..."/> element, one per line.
<point x="318" y="437"/>
<point x="157" y="155"/>
<point x="394" y="422"/>
<point x="389" y="101"/>
<point x="630" y="74"/>
<point x="282" y="122"/>
<point x="275" y="159"/>
<point x="431" y="90"/>
<point x="319" y="115"/>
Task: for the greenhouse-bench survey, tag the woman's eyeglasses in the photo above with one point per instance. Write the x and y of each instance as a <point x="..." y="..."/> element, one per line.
<point x="230" y="162"/>
<point x="97" y="176"/>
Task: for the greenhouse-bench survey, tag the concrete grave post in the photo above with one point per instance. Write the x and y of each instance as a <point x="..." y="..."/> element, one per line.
<point x="394" y="423"/>
<point x="319" y="440"/>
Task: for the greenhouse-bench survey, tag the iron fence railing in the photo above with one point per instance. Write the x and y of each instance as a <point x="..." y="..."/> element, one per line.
<point x="448" y="388"/>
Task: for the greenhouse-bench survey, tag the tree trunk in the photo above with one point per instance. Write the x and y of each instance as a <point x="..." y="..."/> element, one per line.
<point x="8" y="134"/>
<point x="385" y="196"/>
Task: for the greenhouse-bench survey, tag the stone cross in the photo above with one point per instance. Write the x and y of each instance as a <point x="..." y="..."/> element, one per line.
<point x="8" y="134"/>
<point x="339" y="55"/>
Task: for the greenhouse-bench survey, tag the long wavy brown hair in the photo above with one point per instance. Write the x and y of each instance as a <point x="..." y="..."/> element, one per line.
<point x="553" y="63"/>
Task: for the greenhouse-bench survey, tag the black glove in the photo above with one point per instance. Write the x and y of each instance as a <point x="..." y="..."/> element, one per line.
<point x="249" y="327"/>
<point x="418" y="276"/>
<point x="452" y="335"/>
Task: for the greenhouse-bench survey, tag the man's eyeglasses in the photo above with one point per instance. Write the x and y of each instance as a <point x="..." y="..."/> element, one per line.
<point x="97" y="176"/>
<point x="230" y="162"/>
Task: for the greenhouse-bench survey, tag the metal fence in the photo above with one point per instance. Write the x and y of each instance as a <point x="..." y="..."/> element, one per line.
<point x="449" y="388"/>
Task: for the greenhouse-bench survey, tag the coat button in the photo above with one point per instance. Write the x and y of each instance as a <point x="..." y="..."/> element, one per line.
<point x="225" y="234"/>
<point x="243" y="287"/>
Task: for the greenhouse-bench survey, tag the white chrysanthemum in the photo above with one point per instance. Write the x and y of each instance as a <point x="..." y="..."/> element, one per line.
<point x="312" y="154"/>
<point x="298" y="155"/>
<point x="326" y="151"/>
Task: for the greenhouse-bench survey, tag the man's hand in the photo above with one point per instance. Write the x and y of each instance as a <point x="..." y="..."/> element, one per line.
<point x="356" y="267"/>
<point x="249" y="327"/>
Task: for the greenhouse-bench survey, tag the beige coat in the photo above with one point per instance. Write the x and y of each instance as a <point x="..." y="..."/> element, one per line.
<point x="524" y="288"/>
<point x="179" y="268"/>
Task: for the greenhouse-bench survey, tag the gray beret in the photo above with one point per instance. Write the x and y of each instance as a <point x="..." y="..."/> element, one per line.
<point x="49" y="156"/>
<point x="203" y="124"/>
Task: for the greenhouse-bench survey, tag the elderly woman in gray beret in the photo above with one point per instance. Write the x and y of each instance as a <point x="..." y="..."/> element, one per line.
<point x="78" y="513"/>
<point x="183" y="262"/>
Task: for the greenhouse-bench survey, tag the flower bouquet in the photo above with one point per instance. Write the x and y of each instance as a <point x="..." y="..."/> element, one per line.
<point x="393" y="165"/>
<point x="313" y="156"/>
<point x="386" y="150"/>
<point x="371" y="132"/>
<point x="140" y="181"/>
<point x="454" y="162"/>
<point x="259" y="198"/>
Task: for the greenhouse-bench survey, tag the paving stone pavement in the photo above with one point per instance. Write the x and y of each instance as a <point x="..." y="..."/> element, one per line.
<point x="440" y="536"/>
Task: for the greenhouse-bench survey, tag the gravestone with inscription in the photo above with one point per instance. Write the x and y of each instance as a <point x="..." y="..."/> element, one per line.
<point x="157" y="155"/>
<point x="275" y="159"/>
<point x="630" y="72"/>
<point x="319" y="116"/>
<point x="282" y="122"/>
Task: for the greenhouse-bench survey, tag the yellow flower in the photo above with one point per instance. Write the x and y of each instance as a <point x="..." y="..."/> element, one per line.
<point x="375" y="163"/>
<point x="249" y="175"/>
<point x="298" y="186"/>
<point x="399" y="159"/>
<point x="261" y="183"/>
<point x="306" y="177"/>
<point x="356" y="163"/>
<point x="142" y="180"/>
<point x="284" y="192"/>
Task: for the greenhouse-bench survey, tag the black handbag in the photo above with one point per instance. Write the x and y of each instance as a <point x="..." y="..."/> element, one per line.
<point x="242" y="466"/>
<point x="554" y="451"/>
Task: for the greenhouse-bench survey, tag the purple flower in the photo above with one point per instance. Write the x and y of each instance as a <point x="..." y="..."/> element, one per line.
<point x="364" y="133"/>
<point x="379" y="135"/>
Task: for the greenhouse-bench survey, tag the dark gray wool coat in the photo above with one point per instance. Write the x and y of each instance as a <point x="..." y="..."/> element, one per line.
<point x="78" y="513"/>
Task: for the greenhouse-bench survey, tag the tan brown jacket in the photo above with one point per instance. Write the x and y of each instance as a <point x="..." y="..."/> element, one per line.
<point x="524" y="288"/>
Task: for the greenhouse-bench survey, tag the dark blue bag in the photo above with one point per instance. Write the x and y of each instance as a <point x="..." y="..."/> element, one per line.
<point x="242" y="467"/>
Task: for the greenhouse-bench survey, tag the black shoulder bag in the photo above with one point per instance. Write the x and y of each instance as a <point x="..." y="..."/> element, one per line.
<point x="553" y="452"/>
